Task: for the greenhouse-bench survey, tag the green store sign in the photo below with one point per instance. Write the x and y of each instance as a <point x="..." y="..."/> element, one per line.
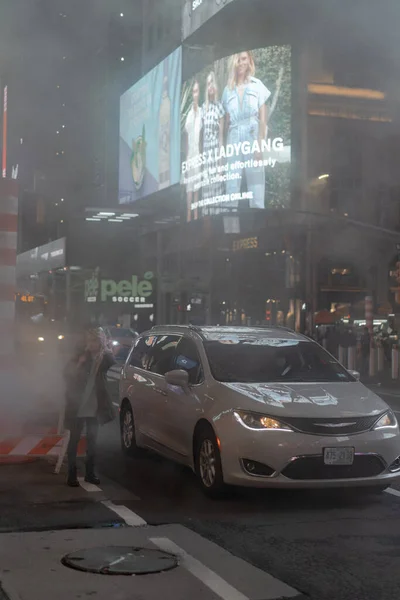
<point x="134" y="290"/>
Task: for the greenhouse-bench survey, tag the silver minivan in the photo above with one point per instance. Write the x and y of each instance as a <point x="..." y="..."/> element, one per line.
<point x="262" y="407"/>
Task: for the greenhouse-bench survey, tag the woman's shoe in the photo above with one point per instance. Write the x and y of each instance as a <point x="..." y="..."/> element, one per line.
<point x="92" y="479"/>
<point x="73" y="482"/>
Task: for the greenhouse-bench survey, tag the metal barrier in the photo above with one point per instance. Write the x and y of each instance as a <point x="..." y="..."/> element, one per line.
<point x="395" y="362"/>
<point x="342" y="356"/>
<point x="352" y="358"/>
<point x="372" y="359"/>
<point x="381" y="358"/>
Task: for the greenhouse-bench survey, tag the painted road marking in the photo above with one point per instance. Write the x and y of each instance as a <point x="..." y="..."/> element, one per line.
<point x="393" y="492"/>
<point x="88" y="487"/>
<point x="213" y="581"/>
<point x="130" y="518"/>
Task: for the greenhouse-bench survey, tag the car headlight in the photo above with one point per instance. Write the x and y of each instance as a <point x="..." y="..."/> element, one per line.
<point x="40" y="339"/>
<point x="387" y="421"/>
<point x="260" y="422"/>
<point x="60" y="337"/>
<point x="115" y="343"/>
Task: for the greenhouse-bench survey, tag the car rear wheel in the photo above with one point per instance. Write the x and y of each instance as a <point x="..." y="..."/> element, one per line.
<point x="208" y="464"/>
<point x="128" y="435"/>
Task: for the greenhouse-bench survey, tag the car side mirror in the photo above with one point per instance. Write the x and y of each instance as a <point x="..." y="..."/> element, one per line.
<point x="178" y="377"/>
<point x="355" y="374"/>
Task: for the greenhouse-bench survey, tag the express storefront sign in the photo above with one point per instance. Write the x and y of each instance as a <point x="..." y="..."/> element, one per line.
<point x="250" y="243"/>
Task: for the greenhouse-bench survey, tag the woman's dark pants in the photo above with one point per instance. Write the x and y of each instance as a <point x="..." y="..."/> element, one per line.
<point x="92" y="428"/>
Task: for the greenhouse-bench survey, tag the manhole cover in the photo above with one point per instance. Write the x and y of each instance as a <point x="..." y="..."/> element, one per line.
<point x="120" y="560"/>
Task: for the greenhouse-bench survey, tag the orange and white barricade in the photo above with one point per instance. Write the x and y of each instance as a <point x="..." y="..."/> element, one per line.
<point x="38" y="446"/>
<point x="29" y="443"/>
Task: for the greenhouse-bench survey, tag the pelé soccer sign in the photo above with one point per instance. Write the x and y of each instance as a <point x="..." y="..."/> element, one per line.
<point x="133" y="291"/>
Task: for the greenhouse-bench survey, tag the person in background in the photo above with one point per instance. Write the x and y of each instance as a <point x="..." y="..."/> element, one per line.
<point x="88" y="402"/>
<point x="213" y="138"/>
<point x="193" y="125"/>
<point x="245" y="104"/>
<point x="332" y="341"/>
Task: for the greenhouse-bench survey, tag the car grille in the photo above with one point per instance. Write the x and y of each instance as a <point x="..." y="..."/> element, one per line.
<point x="337" y="426"/>
<point x="313" y="467"/>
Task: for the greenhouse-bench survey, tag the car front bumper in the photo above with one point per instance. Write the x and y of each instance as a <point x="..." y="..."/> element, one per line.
<point x="296" y="459"/>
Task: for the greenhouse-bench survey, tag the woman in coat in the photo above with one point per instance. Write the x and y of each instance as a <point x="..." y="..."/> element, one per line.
<point x="88" y="402"/>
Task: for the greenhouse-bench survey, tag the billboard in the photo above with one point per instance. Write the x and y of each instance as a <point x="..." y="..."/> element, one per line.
<point x="197" y="12"/>
<point x="236" y="133"/>
<point x="149" y="139"/>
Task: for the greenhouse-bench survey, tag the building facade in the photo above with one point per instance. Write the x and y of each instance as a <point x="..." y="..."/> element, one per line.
<point x="324" y="236"/>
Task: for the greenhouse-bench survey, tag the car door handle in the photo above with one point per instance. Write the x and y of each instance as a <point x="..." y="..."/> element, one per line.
<point x="160" y="391"/>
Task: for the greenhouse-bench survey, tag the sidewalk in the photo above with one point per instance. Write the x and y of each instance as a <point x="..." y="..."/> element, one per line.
<point x="33" y="498"/>
<point x="383" y="380"/>
<point x="31" y="568"/>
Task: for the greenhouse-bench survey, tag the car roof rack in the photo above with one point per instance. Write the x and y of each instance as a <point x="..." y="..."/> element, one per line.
<point x="192" y="327"/>
<point x="200" y="329"/>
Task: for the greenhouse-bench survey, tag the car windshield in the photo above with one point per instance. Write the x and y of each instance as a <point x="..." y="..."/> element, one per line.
<point x="121" y="332"/>
<point x="262" y="360"/>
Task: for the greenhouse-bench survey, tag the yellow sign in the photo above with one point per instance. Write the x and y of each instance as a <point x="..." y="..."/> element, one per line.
<point x="27" y="298"/>
<point x="245" y="244"/>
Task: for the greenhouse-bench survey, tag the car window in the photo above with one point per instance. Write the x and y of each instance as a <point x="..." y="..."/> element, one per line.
<point x="163" y="357"/>
<point x="188" y="359"/>
<point x="263" y="360"/>
<point x="141" y="353"/>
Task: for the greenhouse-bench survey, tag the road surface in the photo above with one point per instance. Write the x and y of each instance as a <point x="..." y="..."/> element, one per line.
<point x="323" y="545"/>
<point x="330" y="546"/>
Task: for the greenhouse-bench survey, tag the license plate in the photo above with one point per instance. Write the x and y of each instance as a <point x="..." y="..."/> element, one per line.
<point x="338" y="456"/>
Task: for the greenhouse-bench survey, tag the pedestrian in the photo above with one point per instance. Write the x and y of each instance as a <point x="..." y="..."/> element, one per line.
<point x="88" y="402"/>
<point x="332" y="337"/>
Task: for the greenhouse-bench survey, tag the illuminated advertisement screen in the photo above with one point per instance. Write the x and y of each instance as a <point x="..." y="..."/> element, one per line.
<point x="197" y="12"/>
<point x="236" y="133"/>
<point x="149" y="139"/>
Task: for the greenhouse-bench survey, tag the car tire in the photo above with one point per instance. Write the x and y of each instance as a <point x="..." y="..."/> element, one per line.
<point x="208" y="464"/>
<point x="127" y="431"/>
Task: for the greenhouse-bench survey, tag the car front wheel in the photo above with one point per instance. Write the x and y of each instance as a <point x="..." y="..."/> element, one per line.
<point x="208" y="464"/>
